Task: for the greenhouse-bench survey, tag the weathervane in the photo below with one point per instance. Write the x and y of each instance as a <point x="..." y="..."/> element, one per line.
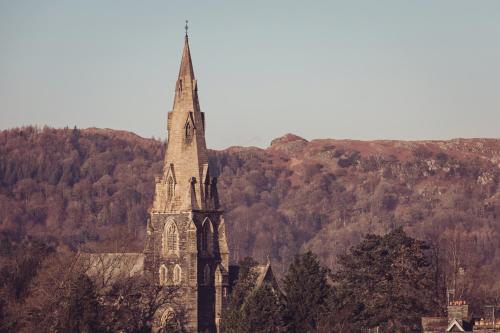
<point x="186" y="28"/>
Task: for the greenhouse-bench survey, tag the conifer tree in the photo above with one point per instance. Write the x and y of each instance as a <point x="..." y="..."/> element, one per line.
<point x="263" y="311"/>
<point x="231" y="320"/>
<point x="306" y="291"/>
<point x="253" y="309"/>
<point x="387" y="281"/>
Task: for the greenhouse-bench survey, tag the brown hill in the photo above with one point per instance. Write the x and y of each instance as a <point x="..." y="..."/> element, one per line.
<point x="95" y="186"/>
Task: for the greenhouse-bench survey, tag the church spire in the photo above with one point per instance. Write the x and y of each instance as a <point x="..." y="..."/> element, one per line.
<point x="186" y="89"/>
<point x="186" y="183"/>
<point x="186" y="70"/>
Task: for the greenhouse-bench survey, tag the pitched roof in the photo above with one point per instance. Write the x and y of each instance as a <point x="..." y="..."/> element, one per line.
<point x="265" y="275"/>
<point x="455" y="324"/>
<point x="113" y="266"/>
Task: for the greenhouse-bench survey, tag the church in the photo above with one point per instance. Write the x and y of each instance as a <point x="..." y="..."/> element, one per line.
<point x="186" y="238"/>
<point x="186" y="244"/>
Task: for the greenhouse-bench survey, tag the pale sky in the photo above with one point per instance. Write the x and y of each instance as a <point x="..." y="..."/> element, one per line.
<point x="421" y="69"/>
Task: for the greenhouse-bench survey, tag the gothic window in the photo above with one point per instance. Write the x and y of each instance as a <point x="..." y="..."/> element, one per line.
<point x="163" y="275"/>
<point x="188" y="131"/>
<point x="177" y="274"/>
<point x="170" y="239"/>
<point x="206" y="275"/>
<point x="168" y="319"/>
<point x="170" y="189"/>
<point x="191" y="237"/>
<point x="207" y="237"/>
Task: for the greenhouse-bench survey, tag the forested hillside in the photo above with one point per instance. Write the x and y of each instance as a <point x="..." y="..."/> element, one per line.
<point x="93" y="188"/>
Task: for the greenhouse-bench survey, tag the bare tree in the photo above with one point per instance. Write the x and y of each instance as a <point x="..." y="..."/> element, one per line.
<point x="77" y="292"/>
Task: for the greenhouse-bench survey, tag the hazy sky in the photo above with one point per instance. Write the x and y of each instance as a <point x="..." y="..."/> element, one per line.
<point x="352" y="69"/>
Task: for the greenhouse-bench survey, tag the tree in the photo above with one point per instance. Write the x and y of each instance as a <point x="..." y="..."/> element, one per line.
<point x="253" y="308"/>
<point x="388" y="281"/>
<point x="136" y="303"/>
<point x="61" y="298"/>
<point x="82" y="311"/>
<point x="306" y="290"/>
<point x="262" y="311"/>
<point x="71" y="293"/>
<point x="231" y="320"/>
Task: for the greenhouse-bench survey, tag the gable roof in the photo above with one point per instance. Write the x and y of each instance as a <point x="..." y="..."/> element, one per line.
<point x="455" y="324"/>
<point x="109" y="267"/>
<point x="265" y="275"/>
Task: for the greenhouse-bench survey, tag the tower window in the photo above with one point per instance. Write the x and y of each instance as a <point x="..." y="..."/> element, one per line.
<point x="177" y="274"/>
<point x="170" y="238"/>
<point x="163" y="275"/>
<point x="188" y="128"/>
<point x="207" y="237"/>
<point x="170" y="189"/>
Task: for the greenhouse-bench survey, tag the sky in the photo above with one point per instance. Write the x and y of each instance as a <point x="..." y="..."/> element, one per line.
<point x="400" y="69"/>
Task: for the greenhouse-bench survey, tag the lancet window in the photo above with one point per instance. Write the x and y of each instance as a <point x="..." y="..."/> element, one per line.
<point x="163" y="275"/>
<point x="177" y="274"/>
<point x="207" y="237"/>
<point x="171" y="239"/>
<point x="188" y="131"/>
<point x="170" y="189"/>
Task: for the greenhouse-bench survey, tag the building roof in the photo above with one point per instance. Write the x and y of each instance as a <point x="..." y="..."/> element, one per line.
<point x="434" y="324"/>
<point x="109" y="267"/>
<point x="455" y="326"/>
<point x="265" y="275"/>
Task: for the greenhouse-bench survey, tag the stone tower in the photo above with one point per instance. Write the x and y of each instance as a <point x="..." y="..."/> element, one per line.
<point x="186" y="240"/>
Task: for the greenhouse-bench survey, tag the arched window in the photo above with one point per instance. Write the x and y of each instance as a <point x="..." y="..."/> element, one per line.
<point x="207" y="237"/>
<point x="188" y="131"/>
<point x="169" y="321"/>
<point x="170" y="238"/>
<point x="177" y="274"/>
<point x="206" y="275"/>
<point x="170" y="188"/>
<point x="163" y="275"/>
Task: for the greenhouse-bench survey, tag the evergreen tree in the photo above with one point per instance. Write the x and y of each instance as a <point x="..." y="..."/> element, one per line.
<point x="306" y="290"/>
<point x="262" y="311"/>
<point x="253" y="309"/>
<point x="231" y="320"/>
<point x="387" y="281"/>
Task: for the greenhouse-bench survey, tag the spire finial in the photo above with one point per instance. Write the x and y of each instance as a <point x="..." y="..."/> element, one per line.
<point x="186" y="28"/>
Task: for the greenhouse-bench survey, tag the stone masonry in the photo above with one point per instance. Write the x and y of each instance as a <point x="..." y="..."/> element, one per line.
<point x="186" y="240"/>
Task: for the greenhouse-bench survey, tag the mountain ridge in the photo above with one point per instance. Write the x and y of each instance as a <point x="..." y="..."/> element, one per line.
<point x="93" y="187"/>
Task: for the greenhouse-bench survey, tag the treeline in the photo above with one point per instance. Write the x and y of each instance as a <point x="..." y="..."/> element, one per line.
<point x="93" y="188"/>
<point x="75" y="187"/>
<point x="44" y="288"/>
<point x="385" y="282"/>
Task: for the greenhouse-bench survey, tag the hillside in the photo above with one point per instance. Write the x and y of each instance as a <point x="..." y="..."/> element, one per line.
<point x="94" y="187"/>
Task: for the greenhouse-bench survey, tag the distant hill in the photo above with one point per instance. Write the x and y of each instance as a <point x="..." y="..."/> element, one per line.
<point x="94" y="187"/>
